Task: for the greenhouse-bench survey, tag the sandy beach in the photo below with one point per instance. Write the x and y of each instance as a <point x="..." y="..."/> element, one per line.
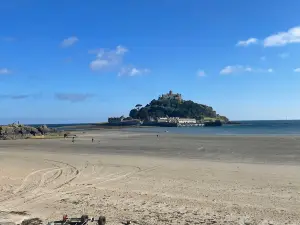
<point x="170" y="179"/>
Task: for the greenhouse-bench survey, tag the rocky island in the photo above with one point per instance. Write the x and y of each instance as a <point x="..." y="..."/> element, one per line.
<point x="171" y="105"/>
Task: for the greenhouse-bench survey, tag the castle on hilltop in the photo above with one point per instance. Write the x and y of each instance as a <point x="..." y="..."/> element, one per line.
<point x="171" y="96"/>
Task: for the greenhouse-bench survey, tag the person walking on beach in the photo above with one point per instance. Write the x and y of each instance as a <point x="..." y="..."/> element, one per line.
<point x="73" y="139"/>
<point x="92" y="139"/>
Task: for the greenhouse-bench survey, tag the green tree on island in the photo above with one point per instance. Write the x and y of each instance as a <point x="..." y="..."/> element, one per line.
<point x="138" y="106"/>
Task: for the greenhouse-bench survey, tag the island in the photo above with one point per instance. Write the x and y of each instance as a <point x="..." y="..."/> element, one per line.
<point x="171" y="109"/>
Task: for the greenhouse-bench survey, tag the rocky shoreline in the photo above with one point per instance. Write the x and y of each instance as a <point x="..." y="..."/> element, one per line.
<point x="19" y="131"/>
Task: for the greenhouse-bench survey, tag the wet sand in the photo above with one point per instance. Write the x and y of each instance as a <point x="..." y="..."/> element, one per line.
<point x="173" y="179"/>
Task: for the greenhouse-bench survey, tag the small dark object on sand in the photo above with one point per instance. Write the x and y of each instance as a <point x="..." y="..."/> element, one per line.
<point x="84" y="218"/>
<point x="33" y="221"/>
<point x="101" y="220"/>
<point x="21" y="213"/>
<point x="92" y="139"/>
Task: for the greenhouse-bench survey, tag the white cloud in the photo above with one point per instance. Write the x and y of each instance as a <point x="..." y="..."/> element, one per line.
<point x="99" y="64"/>
<point x="242" y="69"/>
<point x="69" y="42"/>
<point x="201" y="73"/>
<point x="247" y="42"/>
<point x="284" y="55"/>
<point x="4" y="71"/>
<point x="283" y="38"/>
<point x="132" y="71"/>
<point x="107" y="58"/>
<point x="297" y="70"/>
<point x="232" y="69"/>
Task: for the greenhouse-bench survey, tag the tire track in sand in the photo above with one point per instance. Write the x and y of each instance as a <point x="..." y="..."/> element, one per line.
<point x="33" y="187"/>
<point x="22" y="188"/>
<point x="119" y="177"/>
<point x="41" y="191"/>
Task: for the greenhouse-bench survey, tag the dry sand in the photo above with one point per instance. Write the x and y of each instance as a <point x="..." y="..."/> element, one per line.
<point x="173" y="179"/>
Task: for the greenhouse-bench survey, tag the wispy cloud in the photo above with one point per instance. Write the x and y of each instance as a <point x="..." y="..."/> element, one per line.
<point x="247" y="42"/>
<point x="283" y="38"/>
<point x="5" y="71"/>
<point x="132" y="71"/>
<point x="8" y="39"/>
<point x="73" y="97"/>
<point x="68" y="60"/>
<point x="107" y="58"/>
<point x="121" y="50"/>
<point x="284" y="55"/>
<point x="243" y="69"/>
<point x="68" y="42"/>
<point x="201" y="73"/>
<point x="297" y="70"/>
<point x="14" y="97"/>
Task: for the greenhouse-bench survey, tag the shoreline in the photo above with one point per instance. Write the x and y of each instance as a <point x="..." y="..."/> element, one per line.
<point x="258" y="128"/>
<point x="143" y="129"/>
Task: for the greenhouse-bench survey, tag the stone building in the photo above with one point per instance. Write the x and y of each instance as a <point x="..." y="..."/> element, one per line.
<point x="171" y="96"/>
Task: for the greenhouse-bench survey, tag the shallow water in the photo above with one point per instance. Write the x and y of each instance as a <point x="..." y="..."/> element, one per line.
<point x="274" y="127"/>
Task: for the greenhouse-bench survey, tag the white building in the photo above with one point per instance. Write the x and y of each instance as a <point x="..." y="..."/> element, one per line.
<point x="163" y="120"/>
<point x="186" y="120"/>
<point x="176" y="120"/>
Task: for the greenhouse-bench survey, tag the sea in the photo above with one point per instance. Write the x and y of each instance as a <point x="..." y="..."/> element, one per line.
<point x="254" y="128"/>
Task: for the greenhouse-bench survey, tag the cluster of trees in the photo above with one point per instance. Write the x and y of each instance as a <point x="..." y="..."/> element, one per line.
<point x="173" y="108"/>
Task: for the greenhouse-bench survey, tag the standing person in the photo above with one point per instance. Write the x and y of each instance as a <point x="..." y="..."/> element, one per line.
<point x="65" y="218"/>
<point x="92" y="139"/>
<point x="73" y="139"/>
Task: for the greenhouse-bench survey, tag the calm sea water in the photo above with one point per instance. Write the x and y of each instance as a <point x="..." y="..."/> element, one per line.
<point x="264" y="127"/>
<point x="278" y="127"/>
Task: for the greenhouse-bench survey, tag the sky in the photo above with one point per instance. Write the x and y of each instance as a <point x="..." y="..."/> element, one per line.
<point x="71" y="61"/>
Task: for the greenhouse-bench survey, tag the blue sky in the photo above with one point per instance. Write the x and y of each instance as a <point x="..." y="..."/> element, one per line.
<point x="81" y="61"/>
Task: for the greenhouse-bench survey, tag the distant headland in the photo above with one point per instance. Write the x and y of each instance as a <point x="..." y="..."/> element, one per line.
<point x="171" y="109"/>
